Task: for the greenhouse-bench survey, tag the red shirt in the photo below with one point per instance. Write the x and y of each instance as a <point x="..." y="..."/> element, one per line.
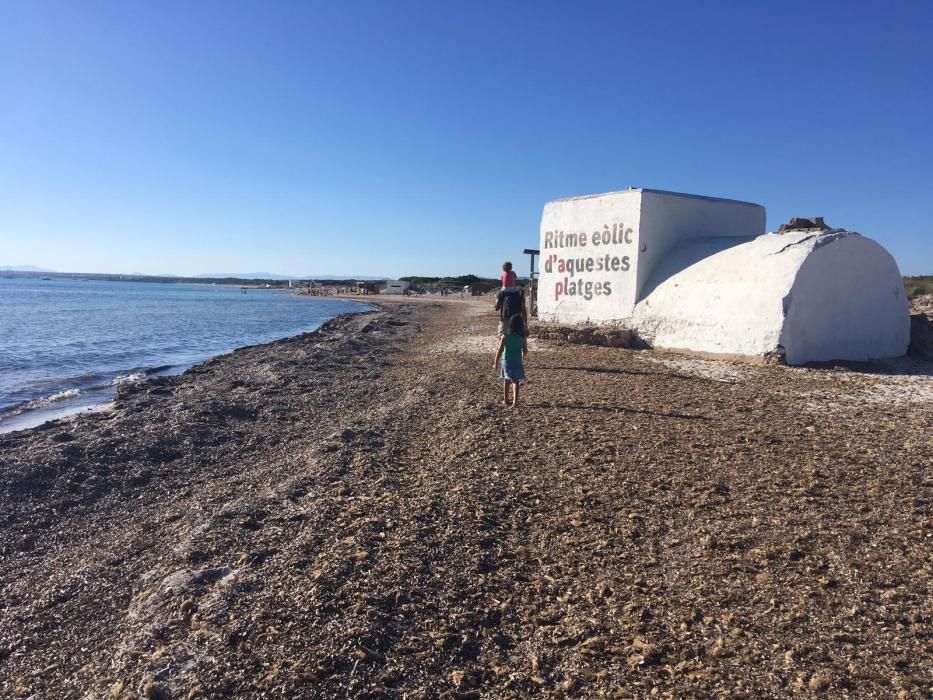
<point x="509" y="279"/>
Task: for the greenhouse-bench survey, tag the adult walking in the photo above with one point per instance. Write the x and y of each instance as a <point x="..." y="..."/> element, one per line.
<point x="510" y="303"/>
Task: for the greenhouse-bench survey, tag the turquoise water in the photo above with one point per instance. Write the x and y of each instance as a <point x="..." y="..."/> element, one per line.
<point x="67" y="343"/>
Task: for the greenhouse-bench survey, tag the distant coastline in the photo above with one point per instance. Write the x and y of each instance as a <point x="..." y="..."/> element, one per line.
<point x="166" y="279"/>
<point x="915" y="285"/>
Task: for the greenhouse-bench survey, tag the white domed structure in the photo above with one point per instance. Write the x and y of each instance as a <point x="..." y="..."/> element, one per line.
<point x="682" y="275"/>
<point x="806" y="296"/>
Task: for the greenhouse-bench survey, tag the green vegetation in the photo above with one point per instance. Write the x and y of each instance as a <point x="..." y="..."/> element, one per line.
<point x="915" y="286"/>
<point x="460" y="281"/>
<point x="454" y="283"/>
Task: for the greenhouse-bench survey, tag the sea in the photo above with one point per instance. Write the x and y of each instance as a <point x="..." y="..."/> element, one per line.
<point x="67" y="344"/>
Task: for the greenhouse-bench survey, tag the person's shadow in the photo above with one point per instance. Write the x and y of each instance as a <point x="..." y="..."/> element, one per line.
<point x="608" y="370"/>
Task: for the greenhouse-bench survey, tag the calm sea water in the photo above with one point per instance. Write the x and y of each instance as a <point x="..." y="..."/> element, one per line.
<point x="69" y="343"/>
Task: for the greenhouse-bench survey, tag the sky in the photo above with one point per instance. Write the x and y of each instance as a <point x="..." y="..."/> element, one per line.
<point x="424" y="138"/>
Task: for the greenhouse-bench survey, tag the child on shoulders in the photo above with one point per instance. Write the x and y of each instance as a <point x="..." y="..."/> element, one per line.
<point x="509" y="278"/>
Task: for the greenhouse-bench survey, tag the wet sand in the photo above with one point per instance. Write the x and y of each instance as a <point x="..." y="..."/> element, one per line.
<point x="348" y="513"/>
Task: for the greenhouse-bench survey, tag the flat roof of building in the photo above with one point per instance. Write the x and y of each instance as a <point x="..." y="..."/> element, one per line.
<point x="663" y="192"/>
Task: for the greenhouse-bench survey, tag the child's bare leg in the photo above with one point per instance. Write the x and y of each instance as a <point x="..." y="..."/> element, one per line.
<point x="505" y="393"/>
<point x="515" y="386"/>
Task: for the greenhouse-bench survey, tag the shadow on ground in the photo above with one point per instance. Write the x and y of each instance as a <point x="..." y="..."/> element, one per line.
<point x="615" y="409"/>
<point x="608" y="370"/>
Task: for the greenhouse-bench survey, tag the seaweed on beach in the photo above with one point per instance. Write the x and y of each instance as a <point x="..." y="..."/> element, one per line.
<point x="348" y="514"/>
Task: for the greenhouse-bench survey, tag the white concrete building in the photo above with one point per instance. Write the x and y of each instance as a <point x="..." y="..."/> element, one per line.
<point x="698" y="273"/>
<point x="396" y="287"/>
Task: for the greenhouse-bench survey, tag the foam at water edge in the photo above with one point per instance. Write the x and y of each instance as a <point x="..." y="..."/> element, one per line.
<point x="45" y="401"/>
<point x="52" y="398"/>
<point x="128" y="378"/>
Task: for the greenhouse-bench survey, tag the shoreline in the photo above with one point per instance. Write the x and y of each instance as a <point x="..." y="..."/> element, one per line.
<point x="347" y="513"/>
<point x="36" y="417"/>
<point x="98" y="397"/>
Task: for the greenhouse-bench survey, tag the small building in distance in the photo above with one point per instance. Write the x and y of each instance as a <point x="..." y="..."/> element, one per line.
<point x="699" y="273"/>
<point x="396" y="287"/>
<point x="480" y="287"/>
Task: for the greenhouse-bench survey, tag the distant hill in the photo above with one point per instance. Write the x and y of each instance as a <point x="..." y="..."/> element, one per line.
<point x="273" y="276"/>
<point x="23" y="268"/>
<point x="243" y="276"/>
<point x="436" y="283"/>
<point x="361" y="278"/>
<point x="224" y="277"/>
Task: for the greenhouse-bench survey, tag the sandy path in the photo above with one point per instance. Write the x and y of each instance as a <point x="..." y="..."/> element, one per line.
<point x="351" y="515"/>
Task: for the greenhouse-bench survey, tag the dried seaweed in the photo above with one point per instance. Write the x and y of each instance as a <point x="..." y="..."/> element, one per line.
<point x="348" y="513"/>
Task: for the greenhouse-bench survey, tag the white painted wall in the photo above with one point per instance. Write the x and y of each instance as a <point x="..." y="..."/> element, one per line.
<point x="669" y="219"/>
<point x="721" y="295"/>
<point x="595" y="293"/>
<point x="653" y="222"/>
<point x="396" y="287"/>
<point x="847" y="303"/>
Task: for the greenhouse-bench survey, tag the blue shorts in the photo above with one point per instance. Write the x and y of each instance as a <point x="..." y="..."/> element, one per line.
<point x="513" y="370"/>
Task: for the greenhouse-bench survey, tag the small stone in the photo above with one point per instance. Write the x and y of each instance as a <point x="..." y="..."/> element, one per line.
<point x="154" y="691"/>
<point x="820" y="681"/>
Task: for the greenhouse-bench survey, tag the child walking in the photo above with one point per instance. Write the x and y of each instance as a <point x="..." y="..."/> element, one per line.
<point x="513" y="346"/>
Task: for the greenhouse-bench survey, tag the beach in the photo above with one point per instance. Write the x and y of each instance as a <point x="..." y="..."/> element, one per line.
<point x="347" y="513"/>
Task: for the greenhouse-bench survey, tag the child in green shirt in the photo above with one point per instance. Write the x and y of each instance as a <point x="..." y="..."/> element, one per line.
<point x="513" y="346"/>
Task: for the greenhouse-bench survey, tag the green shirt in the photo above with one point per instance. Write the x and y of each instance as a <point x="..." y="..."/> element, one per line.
<point x="513" y="347"/>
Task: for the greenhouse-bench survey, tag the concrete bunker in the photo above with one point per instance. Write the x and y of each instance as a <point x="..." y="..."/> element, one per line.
<point x="699" y="274"/>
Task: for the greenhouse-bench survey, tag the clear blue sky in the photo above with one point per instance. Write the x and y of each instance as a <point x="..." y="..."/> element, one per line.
<point x="425" y="137"/>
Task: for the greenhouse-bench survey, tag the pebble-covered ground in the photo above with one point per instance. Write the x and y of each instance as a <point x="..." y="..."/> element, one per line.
<point x="348" y="514"/>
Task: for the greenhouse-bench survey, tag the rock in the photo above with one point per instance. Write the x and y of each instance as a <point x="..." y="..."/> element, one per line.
<point x="820" y="681"/>
<point x="580" y="335"/>
<point x="921" y="336"/>
<point x="154" y="691"/>
<point x="456" y="678"/>
<point x="799" y="223"/>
